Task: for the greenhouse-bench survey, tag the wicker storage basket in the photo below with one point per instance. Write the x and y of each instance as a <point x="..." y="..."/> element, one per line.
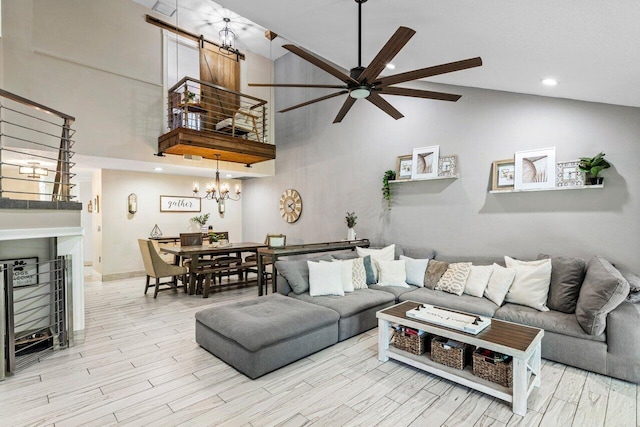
<point x="454" y="357"/>
<point x="416" y="344"/>
<point x="496" y="371"/>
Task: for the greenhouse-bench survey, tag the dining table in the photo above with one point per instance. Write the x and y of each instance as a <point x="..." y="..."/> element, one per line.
<point x="195" y="253"/>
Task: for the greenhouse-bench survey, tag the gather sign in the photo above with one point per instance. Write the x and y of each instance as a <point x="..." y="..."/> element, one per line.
<point x="180" y="204"/>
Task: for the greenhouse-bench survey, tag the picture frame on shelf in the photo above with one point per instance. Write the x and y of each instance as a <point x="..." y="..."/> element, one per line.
<point x="448" y="166"/>
<point x="404" y="167"/>
<point x="503" y="175"/>
<point x="425" y="162"/>
<point x="569" y="175"/>
<point x="535" y="169"/>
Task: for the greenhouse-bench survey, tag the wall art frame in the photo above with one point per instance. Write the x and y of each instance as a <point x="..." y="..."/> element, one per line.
<point x="535" y="169"/>
<point x="503" y="175"/>
<point x="404" y="166"/>
<point x="448" y="166"/>
<point x="569" y="175"/>
<point x="425" y="162"/>
<point x="26" y="270"/>
<point x="180" y="204"/>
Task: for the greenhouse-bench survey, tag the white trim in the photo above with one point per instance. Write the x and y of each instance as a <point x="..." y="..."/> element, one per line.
<point x="37" y="233"/>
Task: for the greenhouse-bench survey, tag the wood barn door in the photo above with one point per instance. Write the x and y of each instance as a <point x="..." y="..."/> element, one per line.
<point x="223" y="70"/>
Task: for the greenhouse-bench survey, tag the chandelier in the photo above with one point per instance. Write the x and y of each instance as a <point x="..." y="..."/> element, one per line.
<point x="34" y="170"/>
<point x="227" y="38"/>
<point x="217" y="191"/>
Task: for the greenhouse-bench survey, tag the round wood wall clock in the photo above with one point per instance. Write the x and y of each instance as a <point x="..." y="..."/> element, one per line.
<point x="290" y="205"/>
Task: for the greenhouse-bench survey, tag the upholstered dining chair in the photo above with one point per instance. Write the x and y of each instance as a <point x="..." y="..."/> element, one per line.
<point x="157" y="268"/>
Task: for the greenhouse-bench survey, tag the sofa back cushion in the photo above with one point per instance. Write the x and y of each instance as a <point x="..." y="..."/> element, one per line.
<point x="567" y="274"/>
<point x="418" y="253"/>
<point x="603" y="289"/>
<point x="297" y="272"/>
<point x="475" y="260"/>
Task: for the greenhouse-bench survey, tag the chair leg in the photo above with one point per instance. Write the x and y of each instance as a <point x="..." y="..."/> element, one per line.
<point x="184" y="282"/>
<point x="155" y="294"/>
<point x="207" y="286"/>
<point x="146" y="286"/>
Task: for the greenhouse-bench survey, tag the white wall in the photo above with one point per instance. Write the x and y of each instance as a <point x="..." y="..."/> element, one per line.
<point x="339" y="168"/>
<point x="120" y="251"/>
<point x="86" y="219"/>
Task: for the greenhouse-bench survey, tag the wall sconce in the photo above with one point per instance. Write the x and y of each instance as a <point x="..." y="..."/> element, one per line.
<point x="132" y="203"/>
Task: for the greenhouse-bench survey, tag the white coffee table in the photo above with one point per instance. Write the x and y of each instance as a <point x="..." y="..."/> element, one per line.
<point x="523" y="343"/>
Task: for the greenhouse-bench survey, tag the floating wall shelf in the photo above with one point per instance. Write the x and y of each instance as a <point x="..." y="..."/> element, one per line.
<point x="424" y="179"/>
<point x="586" y="187"/>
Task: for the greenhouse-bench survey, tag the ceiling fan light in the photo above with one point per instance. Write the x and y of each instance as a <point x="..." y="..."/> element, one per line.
<point x="359" y="92"/>
<point x="549" y="82"/>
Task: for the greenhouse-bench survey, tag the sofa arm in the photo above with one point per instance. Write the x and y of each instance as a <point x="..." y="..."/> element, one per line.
<point x="623" y="342"/>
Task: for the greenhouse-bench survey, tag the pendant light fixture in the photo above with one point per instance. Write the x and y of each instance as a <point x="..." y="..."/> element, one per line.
<point x="227" y="38"/>
<point x="216" y="191"/>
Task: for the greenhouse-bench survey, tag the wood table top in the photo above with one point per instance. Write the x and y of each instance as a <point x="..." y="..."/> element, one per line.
<point x="307" y="248"/>
<point x="206" y="249"/>
<point x="501" y="333"/>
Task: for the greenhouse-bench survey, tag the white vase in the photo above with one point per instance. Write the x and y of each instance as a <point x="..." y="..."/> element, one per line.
<point x="351" y="233"/>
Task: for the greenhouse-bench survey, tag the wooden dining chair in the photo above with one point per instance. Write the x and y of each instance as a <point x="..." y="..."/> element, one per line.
<point x="190" y="239"/>
<point x="157" y="268"/>
<point x="273" y="241"/>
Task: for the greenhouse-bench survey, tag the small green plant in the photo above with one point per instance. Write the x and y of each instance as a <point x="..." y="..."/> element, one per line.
<point x="593" y="165"/>
<point x="213" y="237"/>
<point x="351" y="219"/>
<point x="189" y="96"/>
<point x="201" y="220"/>
<point x="386" y="189"/>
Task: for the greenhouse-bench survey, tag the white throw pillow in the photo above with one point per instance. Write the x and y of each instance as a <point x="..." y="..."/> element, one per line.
<point x="499" y="283"/>
<point x="415" y="270"/>
<point x="531" y="284"/>
<point x="325" y="278"/>
<point x="392" y="273"/>
<point x="478" y="280"/>
<point x="453" y="280"/>
<point x="384" y="254"/>
<point x="346" y="274"/>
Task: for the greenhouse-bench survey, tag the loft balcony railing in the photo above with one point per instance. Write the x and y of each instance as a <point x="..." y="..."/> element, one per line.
<point x="202" y="106"/>
<point x="35" y="151"/>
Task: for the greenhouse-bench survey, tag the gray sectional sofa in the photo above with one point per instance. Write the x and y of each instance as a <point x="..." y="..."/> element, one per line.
<point x="614" y="352"/>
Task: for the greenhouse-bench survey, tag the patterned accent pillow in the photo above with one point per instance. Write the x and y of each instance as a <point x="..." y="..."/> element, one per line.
<point x="454" y="278"/>
<point x="435" y="270"/>
<point x="359" y="274"/>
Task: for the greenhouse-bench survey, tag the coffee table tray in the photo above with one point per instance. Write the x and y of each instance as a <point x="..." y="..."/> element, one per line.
<point x="450" y="318"/>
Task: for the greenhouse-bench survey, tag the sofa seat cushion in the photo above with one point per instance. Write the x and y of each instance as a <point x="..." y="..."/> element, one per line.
<point x="395" y="290"/>
<point x="350" y="304"/>
<point x="553" y="321"/>
<point x="267" y="320"/>
<point x="466" y="303"/>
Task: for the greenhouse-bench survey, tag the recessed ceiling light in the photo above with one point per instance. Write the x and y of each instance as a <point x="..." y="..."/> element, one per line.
<point x="229" y="175"/>
<point x="549" y="82"/>
<point x="157" y="169"/>
<point x="391" y="66"/>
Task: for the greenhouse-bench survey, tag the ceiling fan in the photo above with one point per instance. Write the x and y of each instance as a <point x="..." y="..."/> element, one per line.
<point x="366" y="83"/>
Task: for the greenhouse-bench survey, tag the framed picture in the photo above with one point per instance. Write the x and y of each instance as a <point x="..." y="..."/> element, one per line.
<point x="276" y="240"/>
<point x="448" y="166"/>
<point x="180" y="204"/>
<point x="403" y="167"/>
<point x="569" y="175"/>
<point x="535" y="169"/>
<point x="503" y="175"/>
<point x="425" y="162"/>
<point x="25" y="270"/>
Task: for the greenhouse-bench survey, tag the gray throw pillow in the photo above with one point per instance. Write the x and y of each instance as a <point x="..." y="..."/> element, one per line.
<point x="297" y="272"/>
<point x="632" y="278"/>
<point x="418" y="253"/>
<point x="345" y="255"/>
<point x="602" y="291"/>
<point x="435" y="270"/>
<point x="567" y="274"/>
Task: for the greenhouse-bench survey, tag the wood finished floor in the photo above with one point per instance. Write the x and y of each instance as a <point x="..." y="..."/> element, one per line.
<point x="137" y="364"/>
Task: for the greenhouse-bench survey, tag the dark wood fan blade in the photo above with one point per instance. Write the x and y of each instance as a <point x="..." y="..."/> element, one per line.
<point x="313" y="101"/>
<point x="387" y="53"/>
<point x="430" y="71"/>
<point x="320" y="63"/>
<point x="377" y="100"/>
<point x="297" y="85"/>
<point x="348" y="103"/>
<point x="419" y="93"/>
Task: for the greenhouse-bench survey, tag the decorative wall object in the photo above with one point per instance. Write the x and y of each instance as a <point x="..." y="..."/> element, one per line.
<point x="25" y="270"/>
<point x="132" y="203"/>
<point x="503" y="175"/>
<point x="535" y="169"/>
<point x="569" y="175"/>
<point x="180" y="204"/>
<point x="448" y="166"/>
<point x="425" y="162"/>
<point x="155" y="231"/>
<point x="404" y="167"/>
<point x="90" y="206"/>
<point x="290" y="205"/>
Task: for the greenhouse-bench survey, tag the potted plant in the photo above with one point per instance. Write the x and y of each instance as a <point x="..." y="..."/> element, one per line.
<point x="593" y="166"/>
<point x="386" y="190"/>
<point x="213" y="237"/>
<point x="189" y="97"/>
<point x="350" y="219"/>
<point x="201" y="220"/>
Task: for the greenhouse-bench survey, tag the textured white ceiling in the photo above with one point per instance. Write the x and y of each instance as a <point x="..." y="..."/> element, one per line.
<point x="591" y="47"/>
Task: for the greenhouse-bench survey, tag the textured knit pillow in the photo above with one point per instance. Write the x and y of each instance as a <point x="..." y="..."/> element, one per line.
<point x="325" y="278"/>
<point x="435" y="270"/>
<point x="385" y="254"/>
<point x="416" y="268"/>
<point x="478" y="280"/>
<point x="454" y="278"/>
<point x="392" y="273"/>
<point x="499" y="283"/>
<point x="530" y="286"/>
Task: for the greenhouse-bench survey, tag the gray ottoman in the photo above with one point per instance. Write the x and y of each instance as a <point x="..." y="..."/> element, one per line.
<point x="265" y="333"/>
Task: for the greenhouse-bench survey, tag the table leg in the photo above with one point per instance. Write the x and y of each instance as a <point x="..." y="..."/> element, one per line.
<point x="519" y="386"/>
<point x="193" y="273"/>
<point x="536" y="363"/>
<point x="240" y="271"/>
<point x="274" y="277"/>
<point x="383" y="340"/>
<point x="260" y="275"/>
